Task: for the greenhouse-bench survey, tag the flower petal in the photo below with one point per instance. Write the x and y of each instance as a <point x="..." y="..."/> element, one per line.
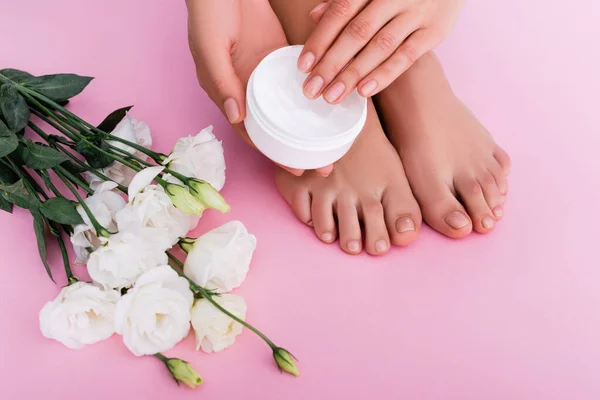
<point x="143" y="179"/>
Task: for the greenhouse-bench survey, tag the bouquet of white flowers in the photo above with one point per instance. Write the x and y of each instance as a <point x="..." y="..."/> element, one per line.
<point x="127" y="207"/>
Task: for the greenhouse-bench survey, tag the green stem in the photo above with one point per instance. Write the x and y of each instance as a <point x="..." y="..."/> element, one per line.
<point x="161" y="357"/>
<point x="61" y="147"/>
<point x="208" y="296"/>
<point x="65" y="131"/>
<point x="83" y="125"/>
<point x="65" y="255"/>
<point x="74" y="179"/>
<point x="48" y="182"/>
<point x="27" y="180"/>
<point x="100" y="230"/>
<point x="34" y="183"/>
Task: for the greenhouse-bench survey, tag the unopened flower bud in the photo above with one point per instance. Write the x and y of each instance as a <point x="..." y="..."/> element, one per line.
<point x="182" y="371"/>
<point x="285" y="361"/>
<point x="207" y="195"/>
<point x="183" y="199"/>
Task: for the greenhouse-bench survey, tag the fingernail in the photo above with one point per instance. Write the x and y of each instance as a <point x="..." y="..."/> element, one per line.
<point x="381" y="246"/>
<point x="326" y="237"/>
<point x="310" y="223"/>
<point x="231" y="110"/>
<point x="457" y="220"/>
<point x="487" y="222"/>
<point x="306" y="61"/>
<point x="335" y="92"/>
<point x="353" y="246"/>
<point x="318" y="8"/>
<point x="405" y="224"/>
<point x="313" y="87"/>
<point x="498" y="212"/>
<point x="368" y="88"/>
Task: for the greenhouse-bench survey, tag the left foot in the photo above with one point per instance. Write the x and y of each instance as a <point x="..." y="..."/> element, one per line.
<point x="456" y="170"/>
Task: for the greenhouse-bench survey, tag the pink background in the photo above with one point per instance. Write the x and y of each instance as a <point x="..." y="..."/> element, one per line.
<point x="512" y="315"/>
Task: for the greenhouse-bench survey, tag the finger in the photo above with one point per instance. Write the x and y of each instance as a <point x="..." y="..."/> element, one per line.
<point x="417" y="44"/>
<point x="293" y="171"/>
<point x="215" y="71"/>
<point x="336" y="17"/>
<point x="325" y="171"/>
<point x="317" y="13"/>
<point x="379" y="49"/>
<point x="353" y="38"/>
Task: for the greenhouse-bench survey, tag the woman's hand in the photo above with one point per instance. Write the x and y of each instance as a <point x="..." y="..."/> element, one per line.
<point x="367" y="44"/>
<point x="228" y="39"/>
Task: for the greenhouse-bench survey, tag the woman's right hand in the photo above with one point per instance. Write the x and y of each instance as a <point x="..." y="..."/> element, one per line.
<point x="228" y="39"/>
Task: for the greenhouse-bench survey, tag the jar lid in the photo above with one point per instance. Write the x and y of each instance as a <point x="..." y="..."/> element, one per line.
<point x="277" y="90"/>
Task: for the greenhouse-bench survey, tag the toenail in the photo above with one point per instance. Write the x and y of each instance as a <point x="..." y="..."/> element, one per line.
<point x="353" y="246"/>
<point x="326" y="237"/>
<point x="487" y="222"/>
<point x="381" y="246"/>
<point x="310" y="223"/>
<point x="405" y="224"/>
<point x="498" y="212"/>
<point x="457" y="220"/>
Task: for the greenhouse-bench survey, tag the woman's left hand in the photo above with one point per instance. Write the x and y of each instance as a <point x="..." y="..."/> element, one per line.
<point x="369" y="43"/>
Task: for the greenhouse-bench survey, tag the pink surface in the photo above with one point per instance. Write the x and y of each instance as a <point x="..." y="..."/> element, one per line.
<point x="512" y="315"/>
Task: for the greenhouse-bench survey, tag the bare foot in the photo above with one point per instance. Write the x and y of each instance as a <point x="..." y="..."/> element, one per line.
<point x="456" y="170"/>
<point x="367" y="186"/>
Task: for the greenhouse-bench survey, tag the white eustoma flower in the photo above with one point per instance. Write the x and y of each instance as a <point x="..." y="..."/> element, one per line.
<point x="155" y="314"/>
<point x="122" y="257"/>
<point x="133" y="131"/>
<point x="216" y="331"/>
<point x="104" y="205"/>
<point x="81" y="314"/>
<point x="150" y="206"/>
<point x="219" y="260"/>
<point x="200" y="157"/>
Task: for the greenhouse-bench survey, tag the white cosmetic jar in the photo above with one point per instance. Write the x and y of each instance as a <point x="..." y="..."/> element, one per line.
<point x="290" y="128"/>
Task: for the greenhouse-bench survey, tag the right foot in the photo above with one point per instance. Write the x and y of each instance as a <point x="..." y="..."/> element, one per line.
<point x="367" y="186"/>
<point x="456" y="170"/>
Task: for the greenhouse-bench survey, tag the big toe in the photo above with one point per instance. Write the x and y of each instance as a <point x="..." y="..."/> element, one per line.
<point x="402" y="215"/>
<point x="444" y="213"/>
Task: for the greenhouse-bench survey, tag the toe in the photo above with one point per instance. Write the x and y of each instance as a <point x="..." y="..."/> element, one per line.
<point x="443" y="212"/>
<point x="322" y="218"/>
<point x="471" y="194"/>
<point x="502" y="157"/>
<point x="499" y="176"/>
<point x="300" y="202"/>
<point x="402" y="216"/>
<point x="492" y="194"/>
<point x="377" y="241"/>
<point x="348" y="226"/>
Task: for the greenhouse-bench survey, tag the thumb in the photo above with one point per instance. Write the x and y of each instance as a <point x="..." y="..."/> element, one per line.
<point x="218" y="77"/>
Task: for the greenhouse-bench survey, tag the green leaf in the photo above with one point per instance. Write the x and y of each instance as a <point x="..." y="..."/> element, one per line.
<point x="7" y="175"/>
<point x="40" y="233"/>
<point x="94" y="158"/>
<point x="113" y="119"/>
<point x="15" y="75"/>
<point x="58" y="86"/>
<point x="14" y="108"/>
<point x="38" y="156"/>
<point x="5" y="205"/>
<point x="8" y="140"/>
<point x="61" y="210"/>
<point x="17" y="194"/>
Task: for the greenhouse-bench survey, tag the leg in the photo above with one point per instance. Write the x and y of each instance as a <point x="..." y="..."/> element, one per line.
<point x="457" y="172"/>
<point x="367" y="186"/>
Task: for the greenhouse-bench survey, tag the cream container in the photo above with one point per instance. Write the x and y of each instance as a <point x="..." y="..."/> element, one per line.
<point x="290" y="128"/>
